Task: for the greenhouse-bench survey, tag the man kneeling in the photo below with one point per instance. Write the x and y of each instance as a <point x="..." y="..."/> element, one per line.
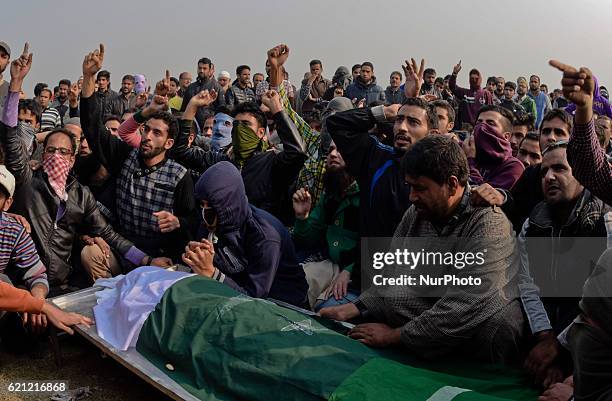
<point x="483" y="321"/>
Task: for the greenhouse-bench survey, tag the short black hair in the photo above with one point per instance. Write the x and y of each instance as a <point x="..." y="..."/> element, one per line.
<point x="523" y="118"/>
<point x="534" y="76"/>
<point x="560" y="114"/>
<point x="170" y="120"/>
<point x="445" y="105"/>
<point x="432" y="117"/>
<point x="355" y="67"/>
<point x="438" y="158"/>
<point x="491" y="80"/>
<point x="241" y="68"/>
<point x="253" y="109"/>
<point x="64" y="131"/>
<point x="46" y="89"/>
<point x="32" y="106"/>
<point x="395" y="73"/>
<point x="175" y="80"/>
<point x="39" y="87"/>
<point x="128" y="77"/>
<point x="223" y="109"/>
<point x="64" y="82"/>
<point x="367" y="64"/>
<point x="439" y="80"/>
<point x="509" y="115"/>
<point x="103" y="74"/>
<point x="532" y="136"/>
<point x="429" y="71"/>
<point x="205" y="60"/>
<point x="511" y="85"/>
<point x="112" y="117"/>
<point x="315" y="62"/>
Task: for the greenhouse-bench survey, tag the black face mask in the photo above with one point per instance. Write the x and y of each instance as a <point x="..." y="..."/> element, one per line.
<point x="209" y="215"/>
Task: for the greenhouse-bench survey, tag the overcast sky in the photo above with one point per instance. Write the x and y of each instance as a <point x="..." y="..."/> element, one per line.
<point x="507" y="38"/>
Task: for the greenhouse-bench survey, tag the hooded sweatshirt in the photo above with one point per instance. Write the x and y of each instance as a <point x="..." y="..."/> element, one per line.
<point x="601" y="105"/>
<point x="254" y="250"/>
<point x="494" y="163"/>
<point x="470" y="100"/>
<point x="341" y="78"/>
<point x="371" y="92"/>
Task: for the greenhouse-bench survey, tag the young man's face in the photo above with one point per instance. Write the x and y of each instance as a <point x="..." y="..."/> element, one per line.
<point x="410" y="126"/>
<point x="499" y="85"/>
<point x="430" y="78"/>
<point x="544" y="89"/>
<point x="44" y="98"/>
<point x="395" y="81"/>
<point x="173" y="89"/>
<point x="257" y="78"/>
<point x="102" y="83"/>
<point x="518" y="133"/>
<point x="4" y="60"/>
<point x="558" y="183"/>
<point x="491" y="86"/>
<point x="204" y="71"/>
<point x="207" y="129"/>
<point x="508" y="93"/>
<point x="495" y="120"/>
<point x="366" y="73"/>
<point x="439" y="86"/>
<point x="127" y="86"/>
<point x="445" y="125"/>
<point x="26" y="116"/>
<point x="250" y="121"/>
<point x="356" y="72"/>
<point x="155" y="139"/>
<point x="529" y="153"/>
<point x="534" y="84"/>
<point x="605" y="124"/>
<point x="316" y="69"/>
<point x="552" y="131"/>
<point x="334" y="161"/>
<point x="63" y="91"/>
<point x="245" y="77"/>
<point x="113" y="127"/>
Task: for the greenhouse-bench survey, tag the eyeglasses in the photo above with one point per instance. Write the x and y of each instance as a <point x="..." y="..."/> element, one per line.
<point x="62" y="151"/>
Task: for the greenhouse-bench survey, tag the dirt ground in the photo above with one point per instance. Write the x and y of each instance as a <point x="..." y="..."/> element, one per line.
<point x="83" y="365"/>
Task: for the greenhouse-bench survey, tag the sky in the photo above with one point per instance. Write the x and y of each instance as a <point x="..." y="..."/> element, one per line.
<point x="501" y="38"/>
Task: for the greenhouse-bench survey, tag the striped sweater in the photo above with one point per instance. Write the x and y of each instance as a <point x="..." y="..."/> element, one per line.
<point x="17" y="250"/>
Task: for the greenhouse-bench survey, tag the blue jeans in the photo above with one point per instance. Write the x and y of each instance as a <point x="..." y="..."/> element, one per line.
<point x="350" y="296"/>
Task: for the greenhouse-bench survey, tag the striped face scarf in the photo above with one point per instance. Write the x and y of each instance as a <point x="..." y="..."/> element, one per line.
<point x="245" y="143"/>
<point x="57" y="169"/>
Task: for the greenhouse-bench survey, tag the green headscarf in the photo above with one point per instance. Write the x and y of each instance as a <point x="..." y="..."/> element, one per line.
<point x="245" y="143"/>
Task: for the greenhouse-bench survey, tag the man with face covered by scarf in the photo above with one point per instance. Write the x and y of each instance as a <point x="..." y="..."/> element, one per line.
<point x="472" y="99"/>
<point x="489" y="151"/>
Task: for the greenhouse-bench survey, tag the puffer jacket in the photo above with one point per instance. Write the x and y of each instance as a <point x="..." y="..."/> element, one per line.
<point x="370" y="92"/>
<point x="35" y="200"/>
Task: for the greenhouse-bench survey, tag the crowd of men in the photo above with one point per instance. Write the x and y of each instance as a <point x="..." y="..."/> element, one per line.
<point x="268" y="188"/>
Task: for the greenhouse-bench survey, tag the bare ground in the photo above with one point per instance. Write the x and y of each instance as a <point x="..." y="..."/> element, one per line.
<point x="83" y="365"/>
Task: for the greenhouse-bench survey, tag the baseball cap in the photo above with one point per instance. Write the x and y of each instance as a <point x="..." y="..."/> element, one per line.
<point x="6" y="48"/>
<point x="7" y="180"/>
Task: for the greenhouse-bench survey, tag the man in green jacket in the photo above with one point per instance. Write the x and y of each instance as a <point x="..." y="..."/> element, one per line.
<point x="333" y="226"/>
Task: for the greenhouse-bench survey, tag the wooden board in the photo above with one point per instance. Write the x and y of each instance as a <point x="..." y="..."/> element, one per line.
<point x="83" y="302"/>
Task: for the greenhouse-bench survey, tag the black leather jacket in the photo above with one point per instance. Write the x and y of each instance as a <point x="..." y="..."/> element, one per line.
<point x="35" y="200"/>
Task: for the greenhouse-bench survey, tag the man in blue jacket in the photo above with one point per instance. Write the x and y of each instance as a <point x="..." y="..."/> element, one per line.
<point x="247" y="248"/>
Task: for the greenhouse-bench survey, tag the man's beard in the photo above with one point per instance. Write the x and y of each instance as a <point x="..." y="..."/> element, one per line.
<point x="336" y="181"/>
<point x="151" y="153"/>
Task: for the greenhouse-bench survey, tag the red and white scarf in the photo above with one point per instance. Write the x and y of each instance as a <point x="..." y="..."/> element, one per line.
<point x="57" y="169"/>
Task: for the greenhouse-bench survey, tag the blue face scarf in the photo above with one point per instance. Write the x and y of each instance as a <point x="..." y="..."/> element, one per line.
<point x="222" y="131"/>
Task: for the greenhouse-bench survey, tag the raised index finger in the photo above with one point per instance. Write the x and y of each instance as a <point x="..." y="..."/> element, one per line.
<point x="167" y="75"/>
<point x="561" y="66"/>
<point x="26" y="49"/>
<point x="101" y="50"/>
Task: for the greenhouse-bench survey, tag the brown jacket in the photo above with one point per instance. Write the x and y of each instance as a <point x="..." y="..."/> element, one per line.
<point x="316" y="90"/>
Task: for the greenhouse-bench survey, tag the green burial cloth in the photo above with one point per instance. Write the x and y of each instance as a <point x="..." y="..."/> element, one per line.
<point x="223" y="345"/>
